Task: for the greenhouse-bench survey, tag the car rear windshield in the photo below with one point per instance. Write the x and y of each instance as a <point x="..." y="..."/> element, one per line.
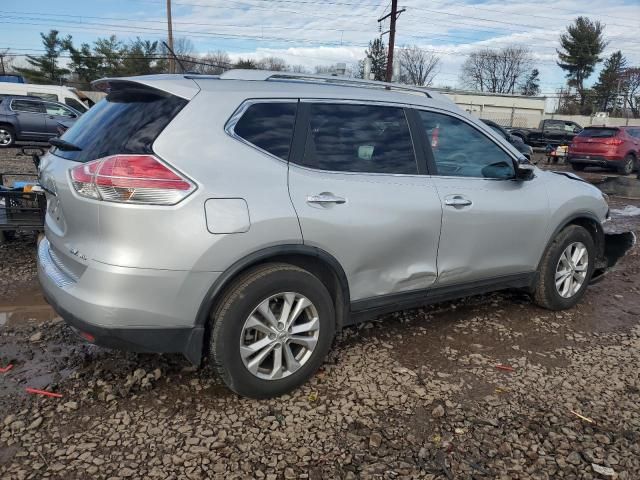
<point x="598" y="132"/>
<point x="126" y="121"/>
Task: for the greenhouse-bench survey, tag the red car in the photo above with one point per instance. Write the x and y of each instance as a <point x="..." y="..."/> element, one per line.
<point x="610" y="147"/>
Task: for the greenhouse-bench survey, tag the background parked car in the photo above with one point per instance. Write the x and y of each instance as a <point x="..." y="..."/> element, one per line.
<point x="12" y="78"/>
<point x="517" y="142"/>
<point x="549" y="132"/>
<point x="30" y="118"/>
<point x="610" y="147"/>
<point x="54" y="93"/>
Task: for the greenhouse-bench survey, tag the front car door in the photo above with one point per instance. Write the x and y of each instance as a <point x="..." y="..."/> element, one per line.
<point x="361" y="196"/>
<point x="31" y="119"/>
<point x="57" y="112"/>
<point x="493" y="226"/>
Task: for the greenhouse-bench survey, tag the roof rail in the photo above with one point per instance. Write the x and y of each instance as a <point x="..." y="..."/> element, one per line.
<point x="265" y="75"/>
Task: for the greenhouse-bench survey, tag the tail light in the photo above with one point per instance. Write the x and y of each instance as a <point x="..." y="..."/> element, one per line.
<point x="614" y="141"/>
<point x="130" y="179"/>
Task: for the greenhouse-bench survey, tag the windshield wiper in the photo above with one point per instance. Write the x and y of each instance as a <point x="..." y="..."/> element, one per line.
<point x="64" y="145"/>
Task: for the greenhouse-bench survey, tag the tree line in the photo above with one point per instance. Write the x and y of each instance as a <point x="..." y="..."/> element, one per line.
<point x="509" y="70"/>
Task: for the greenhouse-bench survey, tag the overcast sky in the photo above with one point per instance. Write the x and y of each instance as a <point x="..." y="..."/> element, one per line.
<point x="310" y="33"/>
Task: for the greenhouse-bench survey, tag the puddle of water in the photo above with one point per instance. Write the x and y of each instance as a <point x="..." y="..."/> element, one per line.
<point x="621" y="186"/>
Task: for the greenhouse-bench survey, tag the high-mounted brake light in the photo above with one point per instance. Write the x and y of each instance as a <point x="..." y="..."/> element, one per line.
<point x="130" y="179"/>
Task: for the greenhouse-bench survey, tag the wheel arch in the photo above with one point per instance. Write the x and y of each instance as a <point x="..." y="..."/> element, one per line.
<point x="590" y="223"/>
<point x="315" y="260"/>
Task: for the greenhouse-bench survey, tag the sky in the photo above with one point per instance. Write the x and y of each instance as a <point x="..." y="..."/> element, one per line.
<point x="309" y="33"/>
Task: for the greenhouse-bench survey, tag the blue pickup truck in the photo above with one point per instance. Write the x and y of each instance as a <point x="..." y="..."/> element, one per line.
<point x="32" y="119"/>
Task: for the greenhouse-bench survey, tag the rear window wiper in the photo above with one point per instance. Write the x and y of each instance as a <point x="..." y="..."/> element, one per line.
<point x="64" y="145"/>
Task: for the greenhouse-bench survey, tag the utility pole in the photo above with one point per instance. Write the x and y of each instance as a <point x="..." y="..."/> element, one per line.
<point x="393" y="16"/>
<point x="172" y="65"/>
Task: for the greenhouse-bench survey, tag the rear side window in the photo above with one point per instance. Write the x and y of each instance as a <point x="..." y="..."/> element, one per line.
<point x="268" y="126"/>
<point x="359" y="138"/>
<point x="598" y="132"/>
<point x="27" y="106"/>
<point x="73" y="103"/>
<point x="127" y="121"/>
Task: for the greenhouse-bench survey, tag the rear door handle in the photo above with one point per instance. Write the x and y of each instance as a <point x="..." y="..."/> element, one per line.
<point x="325" y="198"/>
<point x="457" y="201"/>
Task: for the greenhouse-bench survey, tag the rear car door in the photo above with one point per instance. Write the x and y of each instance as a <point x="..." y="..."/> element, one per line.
<point x="30" y="118"/>
<point x="493" y="227"/>
<point x="57" y="113"/>
<point x="361" y="196"/>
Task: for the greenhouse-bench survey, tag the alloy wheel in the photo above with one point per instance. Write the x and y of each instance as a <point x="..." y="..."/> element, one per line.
<point x="279" y="336"/>
<point x="571" y="270"/>
<point x="5" y="137"/>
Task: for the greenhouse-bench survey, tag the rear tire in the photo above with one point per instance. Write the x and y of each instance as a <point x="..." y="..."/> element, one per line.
<point x="7" y="136"/>
<point x="550" y="290"/>
<point x="628" y="164"/>
<point x="578" y="167"/>
<point x="261" y="352"/>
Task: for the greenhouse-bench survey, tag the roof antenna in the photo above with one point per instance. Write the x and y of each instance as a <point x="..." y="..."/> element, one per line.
<point x="175" y="57"/>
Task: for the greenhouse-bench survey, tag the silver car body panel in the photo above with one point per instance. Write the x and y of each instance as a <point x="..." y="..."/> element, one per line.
<point x="152" y="266"/>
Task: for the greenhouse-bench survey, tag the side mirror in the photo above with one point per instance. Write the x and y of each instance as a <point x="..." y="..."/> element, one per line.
<point x="524" y="169"/>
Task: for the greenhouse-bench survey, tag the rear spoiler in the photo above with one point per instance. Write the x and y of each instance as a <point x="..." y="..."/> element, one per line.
<point x="177" y="85"/>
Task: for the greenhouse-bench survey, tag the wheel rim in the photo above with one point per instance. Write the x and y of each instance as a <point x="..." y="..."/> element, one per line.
<point x="5" y="137"/>
<point x="571" y="270"/>
<point x="279" y="336"/>
<point x="628" y="166"/>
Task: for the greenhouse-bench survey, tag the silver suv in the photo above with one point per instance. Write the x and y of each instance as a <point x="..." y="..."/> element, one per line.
<point x="248" y="217"/>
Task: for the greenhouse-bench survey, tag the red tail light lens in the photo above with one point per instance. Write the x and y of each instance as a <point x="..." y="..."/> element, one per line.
<point x="130" y="179"/>
<point x="614" y="141"/>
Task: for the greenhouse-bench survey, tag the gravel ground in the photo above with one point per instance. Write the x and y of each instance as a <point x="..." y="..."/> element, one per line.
<point x="416" y="394"/>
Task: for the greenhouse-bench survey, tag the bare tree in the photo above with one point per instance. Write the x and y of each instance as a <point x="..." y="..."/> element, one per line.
<point x="6" y="61"/>
<point x="349" y="70"/>
<point x="496" y="71"/>
<point x="632" y="90"/>
<point x="214" y="63"/>
<point x="275" y="64"/>
<point x="418" y="66"/>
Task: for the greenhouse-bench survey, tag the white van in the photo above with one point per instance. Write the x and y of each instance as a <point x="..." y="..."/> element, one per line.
<point x="47" y="92"/>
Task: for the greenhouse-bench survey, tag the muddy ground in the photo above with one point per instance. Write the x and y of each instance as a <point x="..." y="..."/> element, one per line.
<point x="415" y="394"/>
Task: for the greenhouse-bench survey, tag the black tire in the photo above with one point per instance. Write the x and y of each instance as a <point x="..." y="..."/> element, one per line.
<point x="7" y="131"/>
<point x="237" y="304"/>
<point x="627" y="166"/>
<point x="545" y="292"/>
<point x="578" y="167"/>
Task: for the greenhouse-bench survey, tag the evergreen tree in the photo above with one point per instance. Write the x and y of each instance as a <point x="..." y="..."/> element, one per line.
<point x="531" y="86"/>
<point x="44" y="68"/>
<point x="610" y="81"/>
<point x="377" y="52"/>
<point x="581" y="45"/>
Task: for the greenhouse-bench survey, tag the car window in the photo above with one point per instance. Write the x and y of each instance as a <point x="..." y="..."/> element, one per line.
<point x="27" y="106"/>
<point x="598" y="132"/>
<point x="269" y="126"/>
<point x="44" y="96"/>
<point x="73" y="103"/>
<point x="554" y="125"/>
<point x="463" y="151"/>
<point x="359" y="138"/>
<point x="59" y="110"/>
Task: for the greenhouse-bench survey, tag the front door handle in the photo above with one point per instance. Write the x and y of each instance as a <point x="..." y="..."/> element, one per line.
<point x="325" y="198"/>
<point x="457" y="201"/>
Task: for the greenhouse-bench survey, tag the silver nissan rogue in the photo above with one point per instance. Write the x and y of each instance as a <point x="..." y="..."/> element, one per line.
<point x="247" y="217"/>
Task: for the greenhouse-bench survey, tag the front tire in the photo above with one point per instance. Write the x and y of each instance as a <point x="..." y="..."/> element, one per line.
<point x="565" y="269"/>
<point x="271" y="330"/>
<point x="627" y="165"/>
<point x="578" y="167"/>
<point x="7" y="136"/>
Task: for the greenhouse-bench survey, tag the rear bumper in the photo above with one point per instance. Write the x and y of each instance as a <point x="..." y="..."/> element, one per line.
<point x="130" y="309"/>
<point x="594" y="160"/>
